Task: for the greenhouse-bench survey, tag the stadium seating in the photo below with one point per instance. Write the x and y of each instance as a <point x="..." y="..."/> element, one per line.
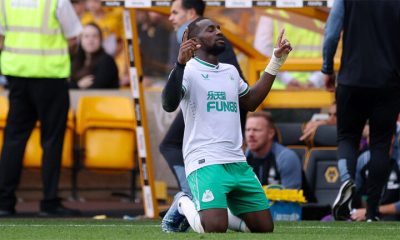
<point x="288" y="134"/>
<point x="33" y="151"/>
<point x="325" y="135"/>
<point x="321" y="165"/>
<point x="3" y="117"/>
<point x="106" y="129"/>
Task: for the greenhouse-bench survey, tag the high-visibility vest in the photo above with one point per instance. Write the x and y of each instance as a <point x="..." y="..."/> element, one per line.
<point x="306" y="44"/>
<point x="34" y="45"/>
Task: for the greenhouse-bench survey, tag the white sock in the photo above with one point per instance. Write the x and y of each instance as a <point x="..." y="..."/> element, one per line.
<point x="236" y="224"/>
<point x="186" y="207"/>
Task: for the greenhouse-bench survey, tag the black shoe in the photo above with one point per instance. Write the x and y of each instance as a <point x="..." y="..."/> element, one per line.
<point x="59" y="211"/>
<point x="342" y="205"/>
<point x="7" y="212"/>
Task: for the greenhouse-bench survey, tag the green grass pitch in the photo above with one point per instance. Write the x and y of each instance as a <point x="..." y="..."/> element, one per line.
<point x="147" y="229"/>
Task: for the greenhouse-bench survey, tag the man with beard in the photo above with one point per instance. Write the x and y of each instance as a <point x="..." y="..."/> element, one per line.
<point x="272" y="162"/>
<point x="209" y="93"/>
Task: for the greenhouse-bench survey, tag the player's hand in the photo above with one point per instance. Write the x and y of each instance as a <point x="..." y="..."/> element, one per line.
<point x="187" y="48"/>
<point x="330" y="82"/>
<point x="283" y="46"/>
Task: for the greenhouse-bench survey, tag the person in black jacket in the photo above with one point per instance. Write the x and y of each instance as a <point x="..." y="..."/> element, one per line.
<point x="368" y="89"/>
<point x="92" y="67"/>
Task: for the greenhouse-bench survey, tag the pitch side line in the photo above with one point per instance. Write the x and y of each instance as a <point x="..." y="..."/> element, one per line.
<point x="157" y="225"/>
<point x="77" y="225"/>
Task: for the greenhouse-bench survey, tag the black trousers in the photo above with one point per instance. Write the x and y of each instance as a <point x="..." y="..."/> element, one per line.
<point x="46" y="100"/>
<point x="356" y="105"/>
<point x="171" y="149"/>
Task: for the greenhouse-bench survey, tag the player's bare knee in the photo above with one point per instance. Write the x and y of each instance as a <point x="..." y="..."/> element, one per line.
<point x="214" y="226"/>
<point x="269" y="228"/>
<point x="263" y="228"/>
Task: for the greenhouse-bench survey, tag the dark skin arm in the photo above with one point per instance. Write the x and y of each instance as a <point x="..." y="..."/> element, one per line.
<point x="261" y="88"/>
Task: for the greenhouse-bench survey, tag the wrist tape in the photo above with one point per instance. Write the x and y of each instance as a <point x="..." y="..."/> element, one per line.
<point x="275" y="63"/>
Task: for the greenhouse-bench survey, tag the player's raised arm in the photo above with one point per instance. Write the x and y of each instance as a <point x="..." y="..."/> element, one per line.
<point x="259" y="91"/>
<point x="172" y="92"/>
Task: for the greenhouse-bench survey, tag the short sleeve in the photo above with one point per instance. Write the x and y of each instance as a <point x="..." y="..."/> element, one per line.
<point x="243" y="87"/>
<point x="69" y="21"/>
<point x="185" y="84"/>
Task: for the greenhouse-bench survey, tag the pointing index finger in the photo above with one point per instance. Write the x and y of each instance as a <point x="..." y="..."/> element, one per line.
<point x="278" y="43"/>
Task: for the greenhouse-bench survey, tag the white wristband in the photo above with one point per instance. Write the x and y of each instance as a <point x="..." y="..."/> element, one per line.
<point x="275" y="63"/>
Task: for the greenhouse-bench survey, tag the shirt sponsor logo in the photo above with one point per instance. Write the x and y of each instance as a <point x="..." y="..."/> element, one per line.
<point x="208" y="196"/>
<point x="217" y="102"/>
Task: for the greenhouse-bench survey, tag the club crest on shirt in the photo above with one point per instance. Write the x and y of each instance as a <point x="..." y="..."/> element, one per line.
<point x="208" y="196"/>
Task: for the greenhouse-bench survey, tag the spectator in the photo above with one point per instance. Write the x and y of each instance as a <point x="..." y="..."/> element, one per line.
<point x="368" y="89"/>
<point x="389" y="207"/>
<point x="79" y="6"/>
<point x="92" y="67"/>
<point x="109" y="21"/>
<point x="306" y="40"/>
<point x="272" y="163"/>
<point x="36" y="72"/>
<point x="312" y="125"/>
<point x="154" y="36"/>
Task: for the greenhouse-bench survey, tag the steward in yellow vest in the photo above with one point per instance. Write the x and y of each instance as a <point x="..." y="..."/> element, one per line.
<point x="306" y="37"/>
<point x="34" y="44"/>
<point x="36" y="63"/>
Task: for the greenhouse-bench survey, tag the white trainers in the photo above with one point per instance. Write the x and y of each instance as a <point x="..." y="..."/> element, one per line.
<point x="173" y="221"/>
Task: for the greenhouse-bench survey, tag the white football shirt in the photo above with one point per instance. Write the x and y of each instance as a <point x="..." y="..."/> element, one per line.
<point x="210" y="109"/>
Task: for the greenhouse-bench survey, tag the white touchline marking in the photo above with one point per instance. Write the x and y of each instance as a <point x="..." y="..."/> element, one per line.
<point x="76" y="225"/>
<point x="341" y="227"/>
<point x="158" y="225"/>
